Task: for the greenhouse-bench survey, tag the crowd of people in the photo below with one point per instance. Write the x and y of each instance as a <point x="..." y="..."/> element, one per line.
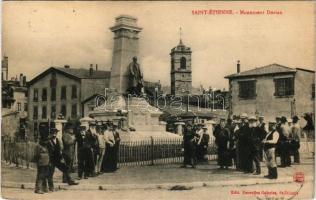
<point x="244" y="142"/>
<point x="97" y="153"/>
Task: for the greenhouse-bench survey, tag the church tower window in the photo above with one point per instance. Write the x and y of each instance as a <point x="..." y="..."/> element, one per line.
<point x="183" y="63"/>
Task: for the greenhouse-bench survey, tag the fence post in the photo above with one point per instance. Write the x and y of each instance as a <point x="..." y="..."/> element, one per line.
<point x="152" y="149"/>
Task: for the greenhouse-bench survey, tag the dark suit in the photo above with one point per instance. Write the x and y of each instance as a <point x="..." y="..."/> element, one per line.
<point x="85" y="156"/>
<point x="55" y="157"/>
<point x="256" y="136"/>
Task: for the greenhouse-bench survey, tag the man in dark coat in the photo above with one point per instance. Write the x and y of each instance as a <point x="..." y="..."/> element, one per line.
<point x="93" y="142"/>
<point x="202" y="145"/>
<point x="56" y="160"/>
<point x="243" y="142"/>
<point x="85" y="157"/>
<point x="263" y="129"/>
<point x="189" y="145"/>
<point x="68" y="151"/>
<point x="221" y="134"/>
<point x="256" y="136"/>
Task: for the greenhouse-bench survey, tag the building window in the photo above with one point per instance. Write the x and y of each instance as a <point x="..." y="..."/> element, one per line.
<point x="44" y="94"/>
<point x="74" y="92"/>
<point x="247" y="89"/>
<point x="53" y="94"/>
<point x="35" y="95"/>
<point x="35" y="112"/>
<point x="53" y="112"/>
<point x="25" y="107"/>
<point x="44" y="112"/>
<point x="183" y="63"/>
<point x="284" y="87"/>
<point x="19" y="106"/>
<point x="63" y="110"/>
<point x="313" y="90"/>
<point x="74" y="111"/>
<point x="63" y="92"/>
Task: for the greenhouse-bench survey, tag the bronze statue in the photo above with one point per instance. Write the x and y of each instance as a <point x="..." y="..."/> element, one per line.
<point x="136" y="78"/>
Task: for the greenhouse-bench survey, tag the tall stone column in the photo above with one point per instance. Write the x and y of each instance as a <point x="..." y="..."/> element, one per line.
<point x="125" y="48"/>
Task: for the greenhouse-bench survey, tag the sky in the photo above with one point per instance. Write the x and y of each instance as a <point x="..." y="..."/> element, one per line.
<point x="37" y="35"/>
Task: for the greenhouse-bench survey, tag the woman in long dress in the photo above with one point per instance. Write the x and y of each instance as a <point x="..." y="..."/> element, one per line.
<point x="108" y="164"/>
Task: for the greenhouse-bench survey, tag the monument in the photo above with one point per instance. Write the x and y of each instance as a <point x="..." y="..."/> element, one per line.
<point x="125" y="102"/>
<point x="125" y="48"/>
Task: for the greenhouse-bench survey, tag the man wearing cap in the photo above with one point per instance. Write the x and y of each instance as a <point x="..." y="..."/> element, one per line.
<point x="269" y="143"/>
<point x="202" y="145"/>
<point x="295" y="138"/>
<point x="285" y="143"/>
<point x="221" y="134"/>
<point x="68" y="151"/>
<point x="56" y="160"/>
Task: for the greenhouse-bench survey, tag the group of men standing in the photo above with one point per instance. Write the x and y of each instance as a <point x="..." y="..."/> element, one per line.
<point x="97" y="152"/>
<point x="245" y="142"/>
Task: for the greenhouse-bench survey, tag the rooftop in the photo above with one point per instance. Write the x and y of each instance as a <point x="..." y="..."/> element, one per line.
<point x="268" y="69"/>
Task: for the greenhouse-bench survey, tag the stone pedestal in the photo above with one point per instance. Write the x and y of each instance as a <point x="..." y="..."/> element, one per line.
<point x="179" y="127"/>
<point x="125" y="48"/>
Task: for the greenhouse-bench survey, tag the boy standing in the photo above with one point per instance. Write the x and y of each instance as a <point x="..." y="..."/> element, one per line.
<point x="42" y="160"/>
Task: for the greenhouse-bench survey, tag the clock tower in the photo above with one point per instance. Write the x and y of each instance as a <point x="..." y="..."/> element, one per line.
<point x="181" y="73"/>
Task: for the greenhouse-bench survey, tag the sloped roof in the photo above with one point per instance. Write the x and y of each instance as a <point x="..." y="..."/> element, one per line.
<point x="74" y="73"/>
<point x="268" y="69"/>
<point x="83" y="73"/>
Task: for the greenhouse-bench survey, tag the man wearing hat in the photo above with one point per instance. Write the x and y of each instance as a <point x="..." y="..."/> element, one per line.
<point x="189" y="146"/>
<point x="221" y="134"/>
<point x="203" y="144"/>
<point x="56" y="160"/>
<point x="269" y="145"/>
<point x="295" y="138"/>
<point x="68" y="151"/>
<point x="92" y="139"/>
<point x="242" y="141"/>
<point x="256" y="136"/>
<point x="84" y="153"/>
<point x="262" y="126"/>
<point x="284" y="143"/>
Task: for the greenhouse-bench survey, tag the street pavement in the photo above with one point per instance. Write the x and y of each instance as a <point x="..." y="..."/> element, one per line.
<point x="159" y="179"/>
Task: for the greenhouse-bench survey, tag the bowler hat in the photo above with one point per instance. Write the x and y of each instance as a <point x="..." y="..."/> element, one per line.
<point x="244" y="116"/>
<point x="53" y="130"/>
<point x="283" y="119"/>
<point x="252" y="118"/>
<point x="295" y="118"/>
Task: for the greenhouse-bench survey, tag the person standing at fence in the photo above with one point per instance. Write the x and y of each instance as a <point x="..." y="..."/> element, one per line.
<point x="295" y="139"/>
<point x="108" y="164"/>
<point x="285" y="143"/>
<point x="117" y="139"/>
<point x="202" y="145"/>
<point x="56" y="160"/>
<point x="41" y="157"/>
<point x="69" y="141"/>
<point x="269" y="145"/>
<point x="221" y="134"/>
<point x="84" y="154"/>
<point x="262" y="126"/>
<point x="189" y="146"/>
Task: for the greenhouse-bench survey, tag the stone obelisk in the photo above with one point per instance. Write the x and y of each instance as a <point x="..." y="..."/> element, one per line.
<point x="125" y="48"/>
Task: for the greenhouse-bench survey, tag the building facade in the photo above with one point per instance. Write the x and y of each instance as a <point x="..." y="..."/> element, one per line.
<point x="60" y="91"/>
<point x="272" y="90"/>
<point x="181" y="72"/>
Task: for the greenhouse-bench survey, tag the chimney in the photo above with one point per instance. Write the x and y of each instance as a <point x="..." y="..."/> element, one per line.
<point x="91" y="70"/>
<point x="67" y="66"/>
<point x="96" y="67"/>
<point x="21" y="80"/>
<point x="238" y="66"/>
<point x="24" y="80"/>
